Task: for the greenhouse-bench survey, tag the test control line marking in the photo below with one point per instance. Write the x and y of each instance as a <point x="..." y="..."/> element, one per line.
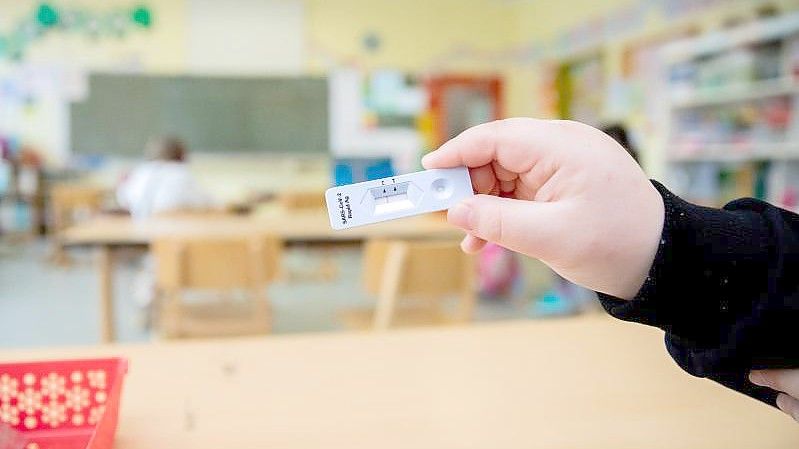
<point x="397" y="196"/>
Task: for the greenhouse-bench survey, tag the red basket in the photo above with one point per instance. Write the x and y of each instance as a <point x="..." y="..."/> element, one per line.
<point x="67" y="404"/>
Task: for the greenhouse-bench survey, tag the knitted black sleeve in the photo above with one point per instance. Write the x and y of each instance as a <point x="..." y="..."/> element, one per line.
<point x="723" y="287"/>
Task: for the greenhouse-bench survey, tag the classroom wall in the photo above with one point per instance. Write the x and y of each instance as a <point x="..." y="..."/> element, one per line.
<point x="51" y="73"/>
<point x="414" y="35"/>
<point x="266" y="36"/>
<point x="254" y="37"/>
<point x="419" y="36"/>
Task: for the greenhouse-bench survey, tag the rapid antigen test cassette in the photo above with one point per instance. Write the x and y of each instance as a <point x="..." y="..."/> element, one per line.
<point x="397" y="196"/>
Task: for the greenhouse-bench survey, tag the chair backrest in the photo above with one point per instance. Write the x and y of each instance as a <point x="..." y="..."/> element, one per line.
<point x="67" y="200"/>
<point x="195" y="213"/>
<point x="213" y="262"/>
<point x="308" y="200"/>
<point x="423" y="268"/>
<point x="77" y="194"/>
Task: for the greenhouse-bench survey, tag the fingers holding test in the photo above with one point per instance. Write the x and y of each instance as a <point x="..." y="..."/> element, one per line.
<point x="784" y="380"/>
<point x="472" y="148"/>
<point x="523" y="226"/>
<point x="483" y="179"/>
<point x="502" y="173"/>
<point x="515" y="143"/>
<point x="472" y="244"/>
<point x="789" y="405"/>
<point x="507" y="186"/>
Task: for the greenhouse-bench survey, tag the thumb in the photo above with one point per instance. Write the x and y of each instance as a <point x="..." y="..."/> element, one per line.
<point x="520" y="225"/>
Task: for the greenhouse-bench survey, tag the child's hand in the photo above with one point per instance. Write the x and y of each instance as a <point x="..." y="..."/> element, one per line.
<point x="784" y="380"/>
<point x="574" y="199"/>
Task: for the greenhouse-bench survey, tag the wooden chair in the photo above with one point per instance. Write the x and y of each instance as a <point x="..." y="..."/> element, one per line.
<point x="310" y="201"/>
<point x="223" y="267"/>
<point x="301" y="200"/>
<point x="411" y="280"/>
<point x="195" y="213"/>
<point x="69" y="204"/>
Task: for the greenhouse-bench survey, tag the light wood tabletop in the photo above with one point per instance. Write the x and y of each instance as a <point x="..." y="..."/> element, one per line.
<point x="586" y="382"/>
<point x="294" y="226"/>
<point x="106" y="233"/>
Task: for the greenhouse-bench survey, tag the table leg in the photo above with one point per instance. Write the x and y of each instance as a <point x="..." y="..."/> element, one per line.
<point x="105" y="263"/>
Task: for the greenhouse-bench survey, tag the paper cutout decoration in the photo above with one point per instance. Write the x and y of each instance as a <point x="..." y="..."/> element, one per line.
<point x="142" y="16"/>
<point x="48" y="17"/>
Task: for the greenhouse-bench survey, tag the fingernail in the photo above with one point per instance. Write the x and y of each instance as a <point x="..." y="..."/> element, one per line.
<point x="757" y="378"/>
<point x="425" y="159"/>
<point x="788" y="405"/>
<point x="465" y="244"/>
<point x="782" y="402"/>
<point x="461" y="216"/>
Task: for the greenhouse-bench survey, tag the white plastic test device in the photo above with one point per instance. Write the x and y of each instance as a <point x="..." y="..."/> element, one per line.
<point x="397" y="196"/>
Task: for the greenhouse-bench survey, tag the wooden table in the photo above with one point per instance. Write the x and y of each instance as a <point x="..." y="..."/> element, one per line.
<point x="106" y="233"/>
<point x="571" y="383"/>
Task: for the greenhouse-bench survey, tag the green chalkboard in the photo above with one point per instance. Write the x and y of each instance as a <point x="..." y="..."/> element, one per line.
<point x="212" y="114"/>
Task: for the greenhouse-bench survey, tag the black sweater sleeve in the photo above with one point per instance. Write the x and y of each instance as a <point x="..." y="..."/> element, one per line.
<point x="725" y="287"/>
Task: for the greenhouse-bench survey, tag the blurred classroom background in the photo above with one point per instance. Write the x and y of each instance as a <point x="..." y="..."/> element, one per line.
<point x="162" y="171"/>
<point x="268" y="103"/>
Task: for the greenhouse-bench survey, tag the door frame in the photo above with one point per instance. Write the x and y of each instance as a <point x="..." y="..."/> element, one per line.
<point x="437" y="87"/>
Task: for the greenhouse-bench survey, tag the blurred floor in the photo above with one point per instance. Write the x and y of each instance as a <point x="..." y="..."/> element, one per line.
<point x="41" y="304"/>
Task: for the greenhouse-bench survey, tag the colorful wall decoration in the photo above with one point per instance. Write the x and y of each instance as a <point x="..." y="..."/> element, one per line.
<point x="49" y="18"/>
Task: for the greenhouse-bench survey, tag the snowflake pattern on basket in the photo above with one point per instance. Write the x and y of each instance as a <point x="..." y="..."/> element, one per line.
<point x="77" y="398"/>
<point x="54" y="413"/>
<point x="95" y="413"/>
<point x="53" y="400"/>
<point x="96" y="379"/>
<point x="8" y="388"/>
<point x="29" y="401"/>
<point x="53" y="385"/>
<point x="9" y="414"/>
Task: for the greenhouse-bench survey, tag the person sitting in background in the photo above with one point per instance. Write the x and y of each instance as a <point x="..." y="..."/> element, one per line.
<point x="618" y="132"/>
<point x="163" y="183"/>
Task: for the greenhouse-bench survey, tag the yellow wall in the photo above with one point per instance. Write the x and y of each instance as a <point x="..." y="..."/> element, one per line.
<point x="544" y="19"/>
<point x="416" y="35"/>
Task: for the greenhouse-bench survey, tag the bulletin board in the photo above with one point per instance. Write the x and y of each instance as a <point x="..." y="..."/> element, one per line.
<point x="212" y="114"/>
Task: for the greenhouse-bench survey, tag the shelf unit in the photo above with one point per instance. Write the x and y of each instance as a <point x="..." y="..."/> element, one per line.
<point x="735" y="93"/>
<point x="731" y="111"/>
<point x="787" y="151"/>
<point x="22" y="200"/>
